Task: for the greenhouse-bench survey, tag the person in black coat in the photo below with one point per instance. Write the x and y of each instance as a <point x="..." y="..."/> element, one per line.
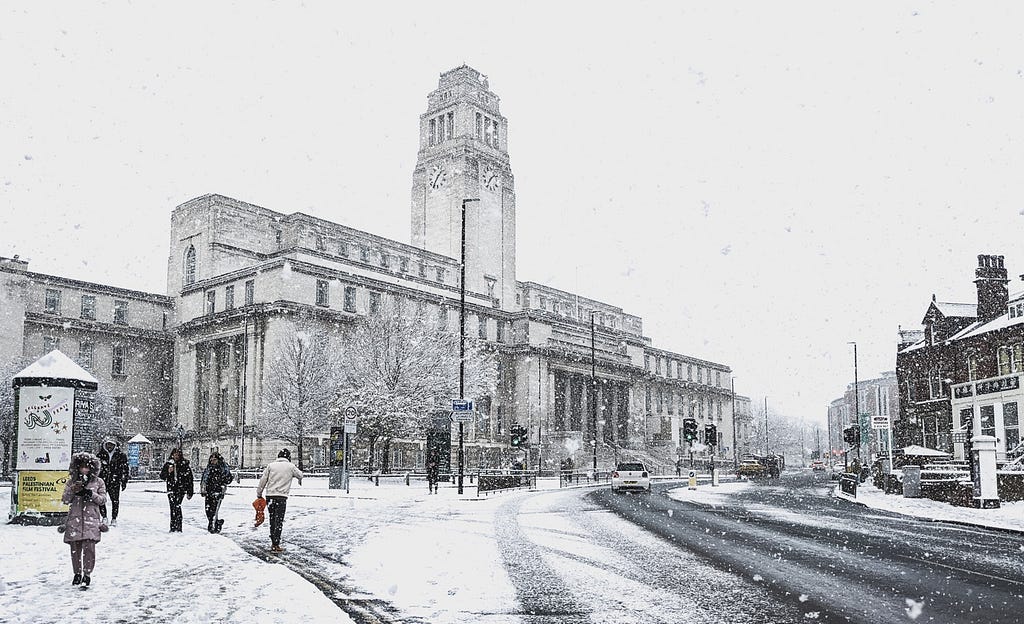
<point x="213" y="485"/>
<point x="114" y="471"/>
<point x="177" y="473"/>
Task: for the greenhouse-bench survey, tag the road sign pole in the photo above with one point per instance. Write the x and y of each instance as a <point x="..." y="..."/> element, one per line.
<point x="344" y="461"/>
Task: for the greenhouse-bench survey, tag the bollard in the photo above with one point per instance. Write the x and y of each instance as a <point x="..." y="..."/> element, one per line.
<point x="407" y="478"/>
<point x="983" y="459"/>
<point x="692" y="485"/>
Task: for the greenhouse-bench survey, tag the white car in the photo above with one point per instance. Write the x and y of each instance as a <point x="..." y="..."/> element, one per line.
<point x="631" y="476"/>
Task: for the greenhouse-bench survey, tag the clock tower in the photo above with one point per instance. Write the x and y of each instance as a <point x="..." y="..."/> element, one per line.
<point x="463" y="155"/>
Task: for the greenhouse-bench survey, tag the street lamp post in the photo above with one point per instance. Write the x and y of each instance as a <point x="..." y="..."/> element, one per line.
<point x="593" y="383"/>
<point x="856" y="400"/>
<point x="462" y="341"/>
<point x="767" y="450"/>
<point x="735" y="451"/>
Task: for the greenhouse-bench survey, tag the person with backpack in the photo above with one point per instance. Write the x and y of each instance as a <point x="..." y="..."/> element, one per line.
<point x="212" y="487"/>
<point x="84" y="492"/>
<point x="277" y="483"/>
<point x="114" y="465"/>
<point x="433" y="475"/>
<point x="177" y="473"/>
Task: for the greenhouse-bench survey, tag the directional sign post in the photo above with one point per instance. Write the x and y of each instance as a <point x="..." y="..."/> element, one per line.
<point x="350" y="426"/>
<point x="879" y="423"/>
<point x="462" y="411"/>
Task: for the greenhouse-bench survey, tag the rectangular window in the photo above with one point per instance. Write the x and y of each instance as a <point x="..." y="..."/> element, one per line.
<point x="423" y="269"/>
<point x="88" y="307"/>
<point x="451" y="125"/>
<point x="52" y="301"/>
<point x="494" y="135"/>
<point x="119" y="410"/>
<point x="343" y="248"/>
<point x="1011" y="425"/>
<point x="647" y="400"/>
<point x="117" y="360"/>
<point x="350" y="298"/>
<point x="277" y="237"/>
<point x="85" y="351"/>
<point x="1003" y="354"/>
<point x="689" y="372"/>
<point x="250" y="292"/>
<point x="479" y="126"/>
<point x="647" y="362"/>
<point x="323" y="293"/>
<point x="229" y="297"/>
<point x="500" y="327"/>
<point x="487" y="130"/>
<point x="385" y="260"/>
<point x="440" y="274"/>
<point x="988" y="420"/>
<point x="374" y="303"/>
<point x="211" y="301"/>
<point x="120" y="312"/>
<point x="658" y="400"/>
<point x="50" y="343"/>
<point x="482" y="328"/>
<point x="1017" y="363"/>
<point x="403" y="265"/>
<point x="718" y="378"/>
<point x="321" y="243"/>
<point x="671" y="399"/>
<point x="433" y="132"/>
<point x="364" y="254"/>
<point x="972" y="367"/>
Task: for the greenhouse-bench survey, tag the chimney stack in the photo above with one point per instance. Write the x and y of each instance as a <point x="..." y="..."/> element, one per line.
<point x="990" y="280"/>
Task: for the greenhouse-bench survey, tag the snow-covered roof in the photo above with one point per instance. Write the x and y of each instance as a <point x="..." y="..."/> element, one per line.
<point x="960" y="310"/>
<point x="1000" y="322"/>
<point x="56" y="365"/>
<point x="139" y="439"/>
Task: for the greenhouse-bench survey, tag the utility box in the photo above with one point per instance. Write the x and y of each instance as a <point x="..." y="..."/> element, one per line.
<point x="912" y="481"/>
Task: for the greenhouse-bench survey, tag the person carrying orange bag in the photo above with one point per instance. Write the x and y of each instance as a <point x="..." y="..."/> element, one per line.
<point x="260" y="504"/>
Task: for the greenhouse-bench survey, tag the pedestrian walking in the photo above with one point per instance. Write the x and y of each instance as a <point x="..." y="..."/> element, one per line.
<point x="114" y="464"/>
<point x="433" y="475"/>
<point x="276" y="482"/>
<point x="177" y="473"/>
<point x="84" y="492"/>
<point x="212" y="487"/>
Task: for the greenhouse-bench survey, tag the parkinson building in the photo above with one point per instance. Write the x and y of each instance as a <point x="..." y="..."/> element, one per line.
<point x="240" y="274"/>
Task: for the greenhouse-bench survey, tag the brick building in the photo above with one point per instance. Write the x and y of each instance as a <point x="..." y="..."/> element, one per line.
<point x="963" y="375"/>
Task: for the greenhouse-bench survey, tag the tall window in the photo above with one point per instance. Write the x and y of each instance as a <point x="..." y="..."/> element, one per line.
<point x="479" y="126"/>
<point x="972" y="367"/>
<point x="988" y="420"/>
<point x="482" y="327"/>
<point x="494" y="135"/>
<point x="321" y="242"/>
<point x="671" y="399"/>
<point x="211" y="301"/>
<point x="440" y="274"/>
<point x="364" y="254"/>
<point x="374" y="308"/>
<point x="1017" y="359"/>
<point x="1011" y="425"/>
<point x="117" y="360"/>
<point x="350" y="298"/>
<point x="190" y="265"/>
<point x="119" y="411"/>
<point x="322" y="293"/>
<point x="229" y="297"/>
<point x="442" y="317"/>
<point x="385" y="260"/>
<point x="500" y="327"/>
<point x="85" y="351"/>
<point x="422" y="269"/>
<point x="343" y="248"/>
<point x="88" y="307"/>
<point x="250" y="291"/>
<point x="689" y="372"/>
<point x="1003" y="355"/>
<point x="403" y="265"/>
<point x="647" y="362"/>
<point x="451" y="125"/>
<point x="52" y="301"/>
<point x="120" y="312"/>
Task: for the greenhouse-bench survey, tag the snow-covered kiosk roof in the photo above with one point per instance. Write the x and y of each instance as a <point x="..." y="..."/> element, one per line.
<point x="55" y="369"/>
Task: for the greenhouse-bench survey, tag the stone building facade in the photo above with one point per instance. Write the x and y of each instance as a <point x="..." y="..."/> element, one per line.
<point x="240" y="275"/>
<point x="877" y="397"/>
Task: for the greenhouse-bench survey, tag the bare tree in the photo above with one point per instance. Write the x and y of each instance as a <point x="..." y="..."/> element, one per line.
<point x="398" y="368"/>
<point x="300" y="390"/>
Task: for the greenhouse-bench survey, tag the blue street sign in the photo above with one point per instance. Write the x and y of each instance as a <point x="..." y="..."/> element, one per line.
<point x="462" y="405"/>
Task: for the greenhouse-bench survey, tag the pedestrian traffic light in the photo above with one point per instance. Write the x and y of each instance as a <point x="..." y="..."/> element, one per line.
<point x="710" y="435"/>
<point x="517" y="436"/>
<point x="690" y="430"/>
<point x="852" y="436"/>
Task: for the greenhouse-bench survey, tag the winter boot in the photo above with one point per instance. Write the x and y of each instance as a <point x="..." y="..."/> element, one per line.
<point x="218" y="526"/>
<point x="77" y="580"/>
<point x="85" y="581"/>
<point x="209" y="527"/>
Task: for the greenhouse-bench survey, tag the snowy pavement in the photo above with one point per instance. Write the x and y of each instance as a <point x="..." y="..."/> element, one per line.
<point x="146" y="574"/>
<point x="1009" y="516"/>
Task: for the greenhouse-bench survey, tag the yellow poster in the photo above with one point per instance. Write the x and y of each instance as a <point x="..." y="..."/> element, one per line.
<point x="40" y="490"/>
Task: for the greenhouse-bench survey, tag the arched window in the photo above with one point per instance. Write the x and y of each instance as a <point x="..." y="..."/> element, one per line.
<point x="190" y="265"/>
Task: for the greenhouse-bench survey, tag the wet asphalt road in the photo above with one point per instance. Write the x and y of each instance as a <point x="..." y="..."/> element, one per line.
<point x="843" y="562"/>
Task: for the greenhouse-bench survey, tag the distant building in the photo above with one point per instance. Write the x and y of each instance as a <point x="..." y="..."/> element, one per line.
<point x="963" y="377"/>
<point x="744" y="426"/>
<point x="877" y="397"/>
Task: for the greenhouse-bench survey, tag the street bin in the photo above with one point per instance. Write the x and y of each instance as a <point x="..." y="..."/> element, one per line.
<point x="912" y="481"/>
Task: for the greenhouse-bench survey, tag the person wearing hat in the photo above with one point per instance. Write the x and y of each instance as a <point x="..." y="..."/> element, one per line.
<point x="276" y="483"/>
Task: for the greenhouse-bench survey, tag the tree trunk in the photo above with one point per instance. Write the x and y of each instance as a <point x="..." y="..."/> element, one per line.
<point x="369" y="460"/>
<point x="385" y="456"/>
<point x="301" y="467"/>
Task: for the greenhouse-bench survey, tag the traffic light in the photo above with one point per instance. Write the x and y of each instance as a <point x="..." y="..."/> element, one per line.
<point x="710" y="435"/>
<point x="690" y="430"/>
<point x="852" y="436"/>
<point x="517" y="436"/>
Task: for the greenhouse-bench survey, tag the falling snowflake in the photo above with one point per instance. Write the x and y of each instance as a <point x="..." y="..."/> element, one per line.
<point x="914" y="608"/>
<point x="669" y="513"/>
<point x="803" y="597"/>
<point x="758" y="577"/>
<point x="812" y="615"/>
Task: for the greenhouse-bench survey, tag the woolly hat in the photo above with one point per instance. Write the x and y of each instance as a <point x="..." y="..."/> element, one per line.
<point x="286" y="454"/>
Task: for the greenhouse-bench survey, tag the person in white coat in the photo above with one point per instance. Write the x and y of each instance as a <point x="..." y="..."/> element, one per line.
<point x="276" y="483"/>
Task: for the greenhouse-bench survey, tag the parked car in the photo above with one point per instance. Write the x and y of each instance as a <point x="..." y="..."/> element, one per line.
<point x="837" y="469"/>
<point x="631" y="476"/>
<point x="817" y="465"/>
<point x="751" y="468"/>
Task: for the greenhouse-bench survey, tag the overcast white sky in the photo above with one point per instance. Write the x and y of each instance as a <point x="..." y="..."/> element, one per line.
<point x="762" y="182"/>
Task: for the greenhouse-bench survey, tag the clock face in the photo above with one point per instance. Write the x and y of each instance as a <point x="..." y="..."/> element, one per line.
<point x="491" y="178"/>
<point x="437" y="177"/>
